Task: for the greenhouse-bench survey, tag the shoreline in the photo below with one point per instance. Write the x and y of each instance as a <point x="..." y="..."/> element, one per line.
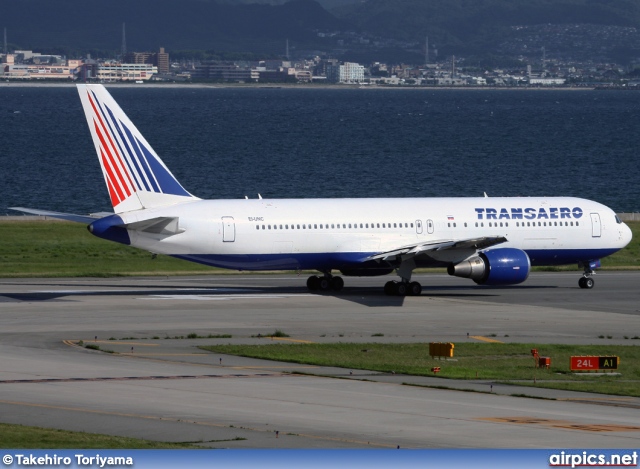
<point x="307" y="86"/>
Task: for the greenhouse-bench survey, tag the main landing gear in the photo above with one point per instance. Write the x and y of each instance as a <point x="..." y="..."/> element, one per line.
<point x="395" y="288"/>
<point x="325" y="283"/>
<point x="405" y="286"/>
<point x="586" y="281"/>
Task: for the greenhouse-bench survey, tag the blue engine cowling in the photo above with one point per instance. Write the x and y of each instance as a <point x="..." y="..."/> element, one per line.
<point x="504" y="266"/>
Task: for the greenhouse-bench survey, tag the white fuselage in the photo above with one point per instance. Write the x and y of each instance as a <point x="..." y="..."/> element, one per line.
<point x="327" y="234"/>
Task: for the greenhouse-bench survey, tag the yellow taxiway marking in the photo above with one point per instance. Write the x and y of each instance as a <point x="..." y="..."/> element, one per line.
<point x="595" y="399"/>
<point x="486" y="339"/>
<point x="586" y="427"/>
<point x="142" y="344"/>
<point x="194" y="422"/>
<point x="113" y="342"/>
<point x="292" y="365"/>
<point x="292" y="340"/>
<point x="162" y="354"/>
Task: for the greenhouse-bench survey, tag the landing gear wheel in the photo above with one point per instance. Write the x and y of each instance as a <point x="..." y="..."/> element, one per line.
<point x="390" y="288"/>
<point x="313" y="283"/>
<point x="586" y="282"/>
<point x="401" y="289"/>
<point x="324" y="283"/>
<point x="415" y="289"/>
<point x="337" y="283"/>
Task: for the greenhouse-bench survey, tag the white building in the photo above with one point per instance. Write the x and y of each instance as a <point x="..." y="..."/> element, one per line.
<point x="69" y="71"/>
<point x="111" y="71"/>
<point x="547" y="81"/>
<point x="348" y="72"/>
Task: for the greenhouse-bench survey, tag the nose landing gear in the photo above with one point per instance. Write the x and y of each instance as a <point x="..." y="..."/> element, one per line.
<point x="586" y="281"/>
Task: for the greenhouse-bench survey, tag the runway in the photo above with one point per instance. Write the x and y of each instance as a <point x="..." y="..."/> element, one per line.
<point x="160" y="387"/>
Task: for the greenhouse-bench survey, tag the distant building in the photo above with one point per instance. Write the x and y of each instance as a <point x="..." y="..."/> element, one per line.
<point x="347" y="72"/>
<point x="224" y="71"/>
<point x="547" y="81"/>
<point x="112" y="71"/>
<point x="160" y="59"/>
<point x="40" y="71"/>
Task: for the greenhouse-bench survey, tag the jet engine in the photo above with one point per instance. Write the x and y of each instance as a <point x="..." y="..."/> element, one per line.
<point x="504" y="266"/>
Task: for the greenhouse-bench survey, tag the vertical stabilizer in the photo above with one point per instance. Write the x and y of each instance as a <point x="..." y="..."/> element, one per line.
<point x="135" y="175"/>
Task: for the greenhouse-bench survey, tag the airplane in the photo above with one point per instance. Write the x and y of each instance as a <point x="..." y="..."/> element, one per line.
<point x="490" y="240"/>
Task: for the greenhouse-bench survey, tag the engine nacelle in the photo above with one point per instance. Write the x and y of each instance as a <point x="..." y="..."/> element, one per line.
<point x="504" y="266"/>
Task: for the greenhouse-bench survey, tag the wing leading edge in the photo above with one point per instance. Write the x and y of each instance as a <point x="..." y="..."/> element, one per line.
<point x="413" y="250"/>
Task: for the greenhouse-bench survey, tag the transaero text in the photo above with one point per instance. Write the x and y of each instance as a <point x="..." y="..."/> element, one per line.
<point x="81" y="460"/>
<point x="528" y="213"/>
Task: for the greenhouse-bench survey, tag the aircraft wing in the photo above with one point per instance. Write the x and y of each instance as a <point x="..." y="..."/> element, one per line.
<point x="62" y="216"/>
<point x="439" y="245"/>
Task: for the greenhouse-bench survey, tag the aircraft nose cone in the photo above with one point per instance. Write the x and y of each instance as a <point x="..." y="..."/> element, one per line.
<point x="627" y="235"/>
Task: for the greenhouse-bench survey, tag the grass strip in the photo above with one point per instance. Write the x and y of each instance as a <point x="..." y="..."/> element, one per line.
<point x="509" y="363"/>
<point x="24" y="437"/>
<point x="64" y="249"/>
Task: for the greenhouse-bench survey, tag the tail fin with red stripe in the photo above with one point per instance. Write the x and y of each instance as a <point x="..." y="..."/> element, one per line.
<point x="135" y="175"/>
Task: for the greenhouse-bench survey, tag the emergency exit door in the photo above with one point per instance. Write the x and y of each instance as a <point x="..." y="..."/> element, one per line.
<point x="596" y="229"/>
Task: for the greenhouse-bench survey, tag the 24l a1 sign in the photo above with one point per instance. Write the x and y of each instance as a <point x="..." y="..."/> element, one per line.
<point x="590" y="363"/>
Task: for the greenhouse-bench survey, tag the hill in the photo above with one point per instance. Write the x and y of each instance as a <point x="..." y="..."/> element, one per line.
<point x="385" y="30"/>
<point x="86" y="25"/>
<point x="568" y="27"/>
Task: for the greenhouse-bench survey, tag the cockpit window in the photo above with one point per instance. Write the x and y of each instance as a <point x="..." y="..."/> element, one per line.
<point x="618" y="221"/>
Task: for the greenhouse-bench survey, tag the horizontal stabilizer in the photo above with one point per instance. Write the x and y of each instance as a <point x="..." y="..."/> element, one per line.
<point x="60" y="215"/>
<point x="167" y="226"/>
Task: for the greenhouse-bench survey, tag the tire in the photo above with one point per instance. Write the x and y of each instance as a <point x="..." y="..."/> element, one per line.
<point x="313" y="283"/>
<point x="401" y="289"/>
<point x="389" y="288"/>
<point x="415" y="289"/>
<point x="589" y="283"/>
<point x="337" y="283"/>
<point x="323" y="283"/>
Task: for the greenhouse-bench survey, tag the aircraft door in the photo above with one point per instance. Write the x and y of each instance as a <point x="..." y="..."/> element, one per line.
<point x="228" y="230"/>
<point x="595" y="225"/>
<point x="430" y="226"/>
<point x="418" y="226"/>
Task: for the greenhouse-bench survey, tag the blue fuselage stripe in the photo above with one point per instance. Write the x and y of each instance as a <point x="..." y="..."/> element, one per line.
<point x="332" y="260"/>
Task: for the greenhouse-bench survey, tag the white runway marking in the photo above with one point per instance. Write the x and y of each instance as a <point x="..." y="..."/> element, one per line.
<point x="220" y="297"/>
<point x="138" y="290"/>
